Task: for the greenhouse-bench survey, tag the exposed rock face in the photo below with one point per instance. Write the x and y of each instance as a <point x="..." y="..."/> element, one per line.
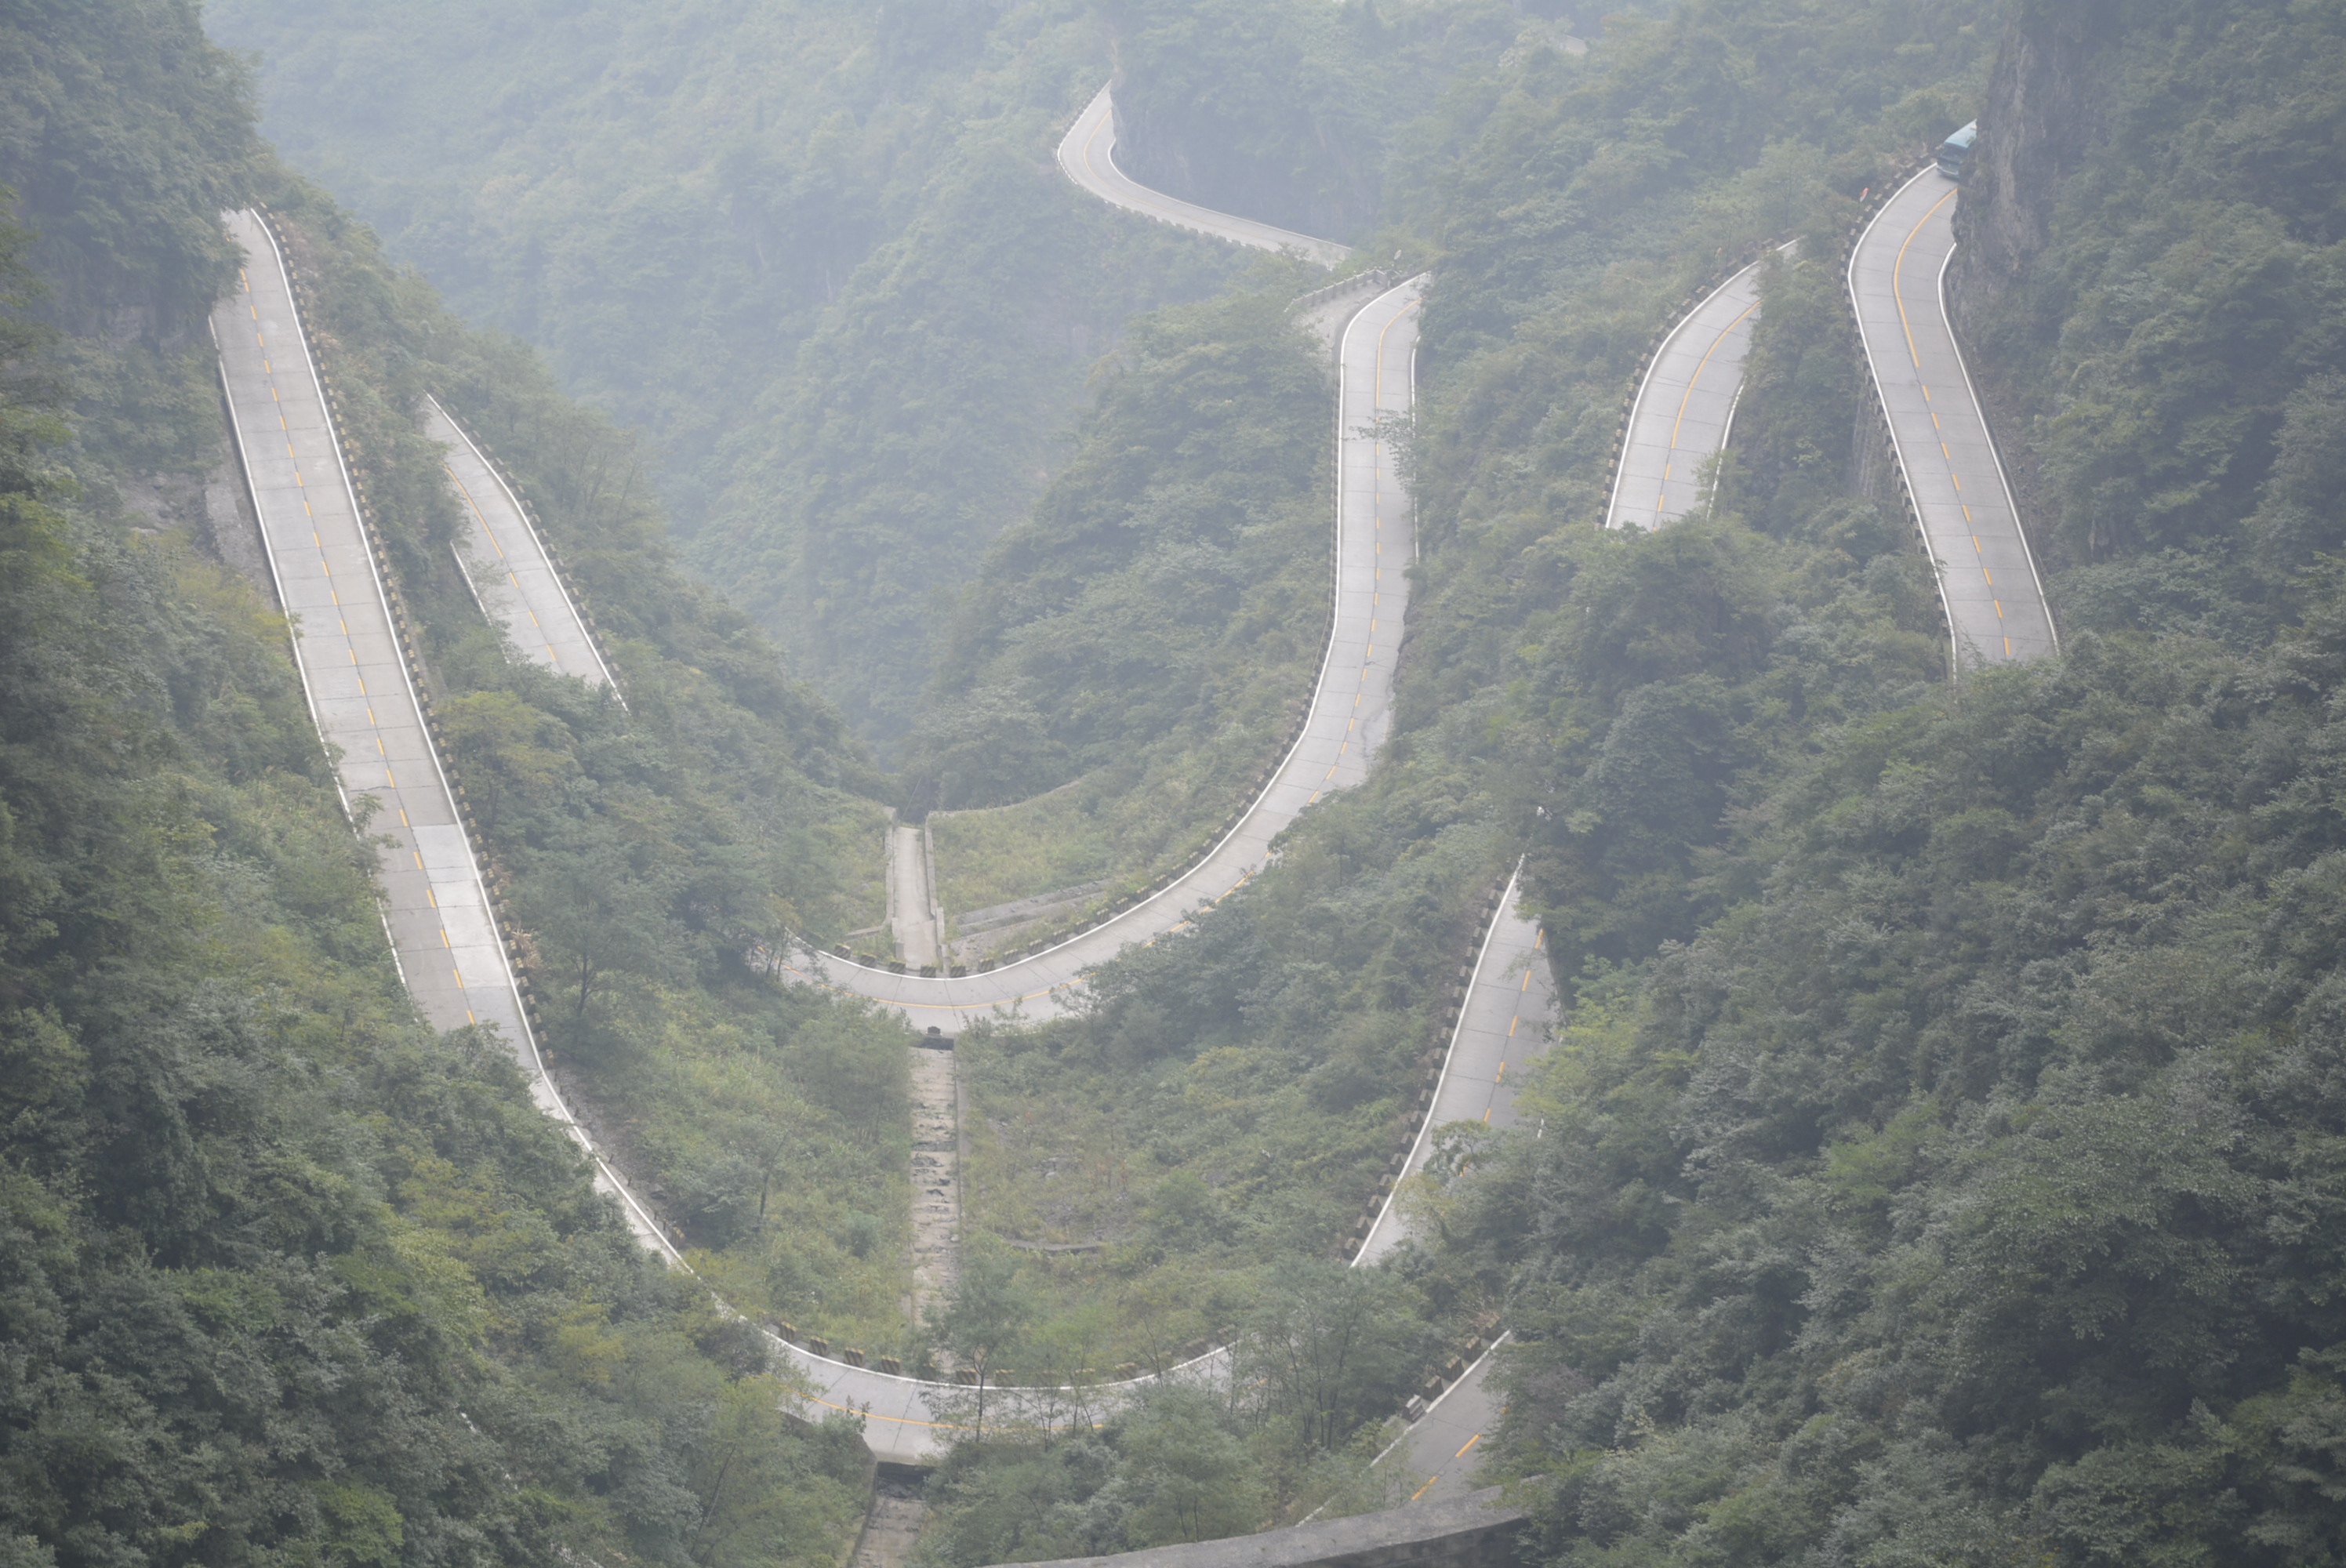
<point x="2046" y="103"/>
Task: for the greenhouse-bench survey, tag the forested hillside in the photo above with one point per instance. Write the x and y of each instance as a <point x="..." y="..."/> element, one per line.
<point x="1289" y="113"/>
<point x="1937" y="1158"/>
<point x="1131" y="654"/>
<point x="817" y="251"/>
<point x="1938" y="1155"/>
<point x="287" y="1278"/>
<point x="1940" y="1158"/>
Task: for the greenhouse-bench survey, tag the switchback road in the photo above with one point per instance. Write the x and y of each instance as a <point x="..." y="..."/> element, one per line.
<point x="1087" y="154"/>
<point x="1502" y="1030"/>
<point x="442" y="927"/>
<point x="1374" y="542"/>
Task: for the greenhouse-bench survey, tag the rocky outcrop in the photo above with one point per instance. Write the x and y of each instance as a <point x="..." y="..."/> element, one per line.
<point x="2046" y="106"/>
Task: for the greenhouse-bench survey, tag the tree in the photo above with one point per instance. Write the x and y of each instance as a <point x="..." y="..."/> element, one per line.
<point x="1328" y="1348"/>
<point x="597" y="916"/>
<point x="745" y="1475"/>
<point x="501" y="739"/>
<point x="1187" y="1476"/>
<point x="986" y="1316"/>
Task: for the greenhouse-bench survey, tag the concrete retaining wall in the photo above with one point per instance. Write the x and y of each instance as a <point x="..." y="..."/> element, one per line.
<point x="1476" y="1530"/>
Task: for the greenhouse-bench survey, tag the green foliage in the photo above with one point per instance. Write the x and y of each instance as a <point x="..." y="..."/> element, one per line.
<point x="1324" y="1355"/>
<point x="125" y="134"/>
<point x="283" y="1277"/>
<point x="817" y="250"/>
<point x="921" y="416"/>
<point x="1141" y="639"/>
<point x="2191" y="289"/>
<point x="1168" y="588"/>
<point x="662" y="201"/>
<point x="1328" y="1348"/>
<point x="1285" y="112"/>
<point x="650" y="847"/>
<point x="1931" y="1158"/>
<point x="1939" y="1159"/>
<point x="985" y="1318"/>
<point x="1948" y="1173"/>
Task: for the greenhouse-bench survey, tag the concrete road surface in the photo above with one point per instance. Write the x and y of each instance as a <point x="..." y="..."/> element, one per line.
<point x="1503" y="1028"/>
<point x="443" y="932"/>
<point x="512" y="576"/>
<point x="1685" y="407"/>
<point x="1437" y="1455"/>
<point x="1988" y="577"/>
<point x="1087" y="154"/>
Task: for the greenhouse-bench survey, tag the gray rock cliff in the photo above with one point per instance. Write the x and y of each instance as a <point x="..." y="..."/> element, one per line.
<point x="2046" y="105"/>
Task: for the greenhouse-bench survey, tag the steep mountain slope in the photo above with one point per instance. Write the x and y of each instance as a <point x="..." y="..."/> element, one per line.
<point x="283" y="1276"/>
<point x="1932" y="1160"/>
<point x="808" y="247"/>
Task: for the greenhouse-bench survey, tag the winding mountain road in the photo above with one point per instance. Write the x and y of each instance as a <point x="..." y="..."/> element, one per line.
<point x="1996" y="605"/>
<point x="444" y="933"/>
<point x="442" y="930"/>
<point x="1502" y="1029"/>
<point x="1087" y="154"/>
<point x="436" y="912"/>
<point x="1374" y="542"/>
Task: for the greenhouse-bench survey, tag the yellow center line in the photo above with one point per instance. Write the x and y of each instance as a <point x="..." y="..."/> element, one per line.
<point x="1898" y="287"/>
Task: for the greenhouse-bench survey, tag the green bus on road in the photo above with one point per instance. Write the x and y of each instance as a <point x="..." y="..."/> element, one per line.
<point x="1956" y="151"/>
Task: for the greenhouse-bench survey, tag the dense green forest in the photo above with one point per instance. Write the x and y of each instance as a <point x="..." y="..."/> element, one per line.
<point x="1132" y="653"/>
<point x="1940" y="1149"/>
<point x="283" y="1276"/>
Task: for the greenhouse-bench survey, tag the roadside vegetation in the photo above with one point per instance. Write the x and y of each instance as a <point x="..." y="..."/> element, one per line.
<point x="1934" y="1147"/>
<point x="1131" y="655"/>
<point x="653" y="847"/>
<point x="283" y="1276"/>
<point x="1233" y="1091"/>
